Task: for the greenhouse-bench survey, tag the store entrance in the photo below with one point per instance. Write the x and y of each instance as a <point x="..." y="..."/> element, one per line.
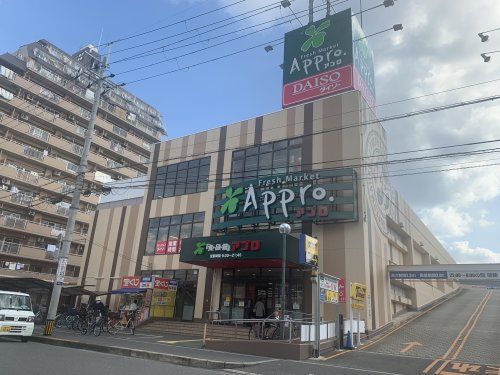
<point x="242" y="288"/>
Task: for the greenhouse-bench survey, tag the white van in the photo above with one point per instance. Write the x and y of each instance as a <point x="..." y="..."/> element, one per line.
<point x="16" y="315"/>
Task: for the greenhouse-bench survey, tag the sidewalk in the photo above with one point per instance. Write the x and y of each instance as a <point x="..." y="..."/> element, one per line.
<point x="181" y="350"/>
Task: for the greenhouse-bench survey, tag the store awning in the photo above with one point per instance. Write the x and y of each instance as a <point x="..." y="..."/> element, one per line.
<point x="242" y="250"/>
<point x="127" y="291"/>
<point x="34" y="285"/>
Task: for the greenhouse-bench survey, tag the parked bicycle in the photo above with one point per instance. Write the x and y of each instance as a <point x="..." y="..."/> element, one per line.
<point x="125" y="323"/>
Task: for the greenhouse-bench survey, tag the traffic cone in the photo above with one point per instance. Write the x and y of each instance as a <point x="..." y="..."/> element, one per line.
<point x="348" y="344"/>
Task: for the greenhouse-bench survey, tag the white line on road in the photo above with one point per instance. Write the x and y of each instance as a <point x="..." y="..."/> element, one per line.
<point x="241" y="372"/>
<point x="351" y="368"/>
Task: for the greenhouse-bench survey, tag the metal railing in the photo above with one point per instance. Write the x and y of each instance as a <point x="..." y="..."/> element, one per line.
<point x="286" y="330"/>
<point x="9" y="247"/>
<point x="14" y="222"/>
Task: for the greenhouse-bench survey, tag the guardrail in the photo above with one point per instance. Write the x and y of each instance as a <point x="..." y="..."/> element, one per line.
<point x="290" y="330"/>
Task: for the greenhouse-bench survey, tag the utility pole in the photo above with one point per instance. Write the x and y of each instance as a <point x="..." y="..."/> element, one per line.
<point x="75" y="203"/>
<point x="327" y="8"/>
<point x="361" y="12"/>
<point x="311" y="11"/>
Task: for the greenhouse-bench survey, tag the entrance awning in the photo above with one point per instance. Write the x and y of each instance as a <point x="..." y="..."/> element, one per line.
<point x="34" y="285"/>
<point x="241" y="250"/>
<point x="127" y="291"/>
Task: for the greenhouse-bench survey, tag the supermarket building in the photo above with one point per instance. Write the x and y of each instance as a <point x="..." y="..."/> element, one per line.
<point x="306" y="165"/>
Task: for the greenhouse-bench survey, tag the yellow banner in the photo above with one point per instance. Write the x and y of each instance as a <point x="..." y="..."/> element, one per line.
<point x="358" y="292"/>
<point x="357" y="305"/>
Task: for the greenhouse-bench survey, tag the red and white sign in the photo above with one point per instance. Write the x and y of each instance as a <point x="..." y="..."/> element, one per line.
<point x="342" y="291"/>
<point x="323" y="84"/>
<point x="161" y="283"/>
<point x="161" y="247"/>
<point x="173" y="246"/>
<point x="131" y="282"/>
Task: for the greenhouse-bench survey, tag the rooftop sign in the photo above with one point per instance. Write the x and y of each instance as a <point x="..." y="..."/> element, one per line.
<point x="327" y="57"/>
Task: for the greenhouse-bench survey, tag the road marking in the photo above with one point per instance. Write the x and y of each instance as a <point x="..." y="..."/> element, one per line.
<point x="409" y="346"/>
<point x="404" y="324"/>
<point x="457" y="338"/>
<point x="178" y="341"/>
<point x="351" y="368"/>
<point x="240" y="372"/>
<point x="471" y="328"/>
<point x="452" y="346"/>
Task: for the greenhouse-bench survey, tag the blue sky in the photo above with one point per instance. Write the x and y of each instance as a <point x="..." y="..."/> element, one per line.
<point x="437" y="50"/>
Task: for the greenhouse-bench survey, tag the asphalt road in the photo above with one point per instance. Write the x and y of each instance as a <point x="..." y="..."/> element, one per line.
<point x="459" y="336"/>
<point x="39" y="359"/>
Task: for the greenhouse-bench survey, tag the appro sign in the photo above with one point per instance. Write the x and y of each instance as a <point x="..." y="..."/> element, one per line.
<point x="321" y="59"/>
<point x="309" y="196"/>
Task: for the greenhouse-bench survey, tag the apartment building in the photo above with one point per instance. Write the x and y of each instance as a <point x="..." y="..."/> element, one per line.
<point x="46" y="96"/>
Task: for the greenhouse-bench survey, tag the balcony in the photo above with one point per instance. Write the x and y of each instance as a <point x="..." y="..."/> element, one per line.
<point x="75" y="109"/>
<point x="16" y="174"/>
<point x="36" y="229"/>
<point x="62" y="144"/>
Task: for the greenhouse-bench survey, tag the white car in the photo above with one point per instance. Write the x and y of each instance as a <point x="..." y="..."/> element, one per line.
<point x="16" y="315"/>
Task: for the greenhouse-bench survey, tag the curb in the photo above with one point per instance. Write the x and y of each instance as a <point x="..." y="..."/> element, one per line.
<point x="143" y="354"/>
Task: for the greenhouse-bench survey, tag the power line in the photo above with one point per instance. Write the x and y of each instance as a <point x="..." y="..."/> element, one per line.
<point x="172" y="24"/>
<point x="261" y="9"/>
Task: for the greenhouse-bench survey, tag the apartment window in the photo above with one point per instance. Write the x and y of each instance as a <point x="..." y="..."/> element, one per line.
<point x="6" y="72"/>
<point x="7" y="95"/>
<point x="166" y="233"/>
<point x="182" y="178"/>
<point x="33" y="153"/>
<point x="72" y="167"/>
<point x="119" y="131"/>
<point x="263" y="160"/>
<point x="39" y="133"/>
<point x="53" y="97"/>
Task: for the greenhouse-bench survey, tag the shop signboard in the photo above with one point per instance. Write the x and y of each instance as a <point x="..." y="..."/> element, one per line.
<point x="167" y="247"/>
<point x="358" y="295"/>
<point x="249" y="247"/>
<point x="146" y="282"/>
<point x="342" y="290"/>
<point x="130" y="282"/>
<point x="61" y="270"/>
<point x="328" y="289"/>
<point x="161" y="283"/>
<point x="318" y="196"/>
<point x="325" y="58"/>
<point x="443" y="275"/>
<point x="309" y="249"/>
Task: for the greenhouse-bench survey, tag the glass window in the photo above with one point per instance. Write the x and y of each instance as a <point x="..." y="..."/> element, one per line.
<point x="182" y="178"/>
<point x="180" y="274"/>
<point x="173" y="228"/>
<point x="169" y="274"/>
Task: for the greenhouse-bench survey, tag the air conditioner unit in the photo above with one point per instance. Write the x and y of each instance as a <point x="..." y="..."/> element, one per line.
<point x="5" y="181"/>
<point x="57" y="173"/>
<point x="40" y="239"/>
<point x="29" y="97"/>
<point x="4" y="187"/>
<point x="104" y="133"/>
<point x="31" y="213"/>
<point x="71" y="117"/>
<point x="24" y="116"/>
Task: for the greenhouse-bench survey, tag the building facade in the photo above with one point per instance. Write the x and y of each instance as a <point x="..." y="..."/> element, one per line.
<point x="46" y="96"/>
<point x="214" y="200"/>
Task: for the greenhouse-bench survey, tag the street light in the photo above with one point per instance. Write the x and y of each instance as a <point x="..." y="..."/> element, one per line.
<point x="482" y="35"/>
<point x="284" y="230"/>
<point x="485" y="56"/>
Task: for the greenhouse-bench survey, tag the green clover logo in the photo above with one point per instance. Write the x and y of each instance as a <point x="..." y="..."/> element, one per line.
<point x="200" y="248"/>
<point x="231" y="205"/>
<point x="317" y="36"/>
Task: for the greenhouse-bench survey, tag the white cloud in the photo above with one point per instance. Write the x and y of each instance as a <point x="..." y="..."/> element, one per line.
<point x="483" y="221"/>
<point x="464" y="253"/>
<point x="447" y="222"/>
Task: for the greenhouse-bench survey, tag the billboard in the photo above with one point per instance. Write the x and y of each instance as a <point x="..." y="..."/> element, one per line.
<point x="318" y="196"/>
<point x="327" y="57"/>
<point x="328" y="289"/>
<point x="308" y="248"/>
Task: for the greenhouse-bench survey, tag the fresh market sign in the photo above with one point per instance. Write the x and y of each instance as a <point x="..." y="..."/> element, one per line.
<point x="293" y="197"/>
<point x="327" y="57"/>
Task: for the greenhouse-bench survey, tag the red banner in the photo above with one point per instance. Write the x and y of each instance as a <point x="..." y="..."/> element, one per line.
<point x="323" y="84"/>
<point x="161" y="247"/>
<point x="173" y="247"/>
<point x="161" y="283"/>
<point x="341" y="290"/>
<point x="131" y="282"/>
